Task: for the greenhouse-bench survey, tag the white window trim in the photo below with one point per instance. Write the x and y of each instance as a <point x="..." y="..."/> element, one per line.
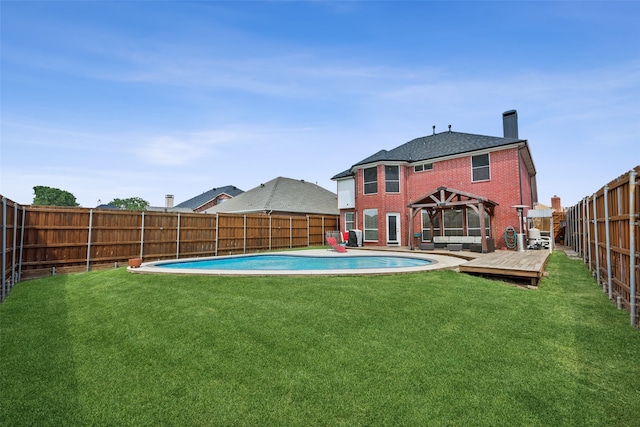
<point x="488" y="166"/>
<point x="364" y="226"/>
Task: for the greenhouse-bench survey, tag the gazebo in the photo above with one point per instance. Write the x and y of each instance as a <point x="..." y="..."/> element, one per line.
<point x="444" y="198"/>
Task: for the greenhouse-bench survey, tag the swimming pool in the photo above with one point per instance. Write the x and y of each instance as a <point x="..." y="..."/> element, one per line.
<point x="298" y="262"/>
<point x="304" y="262"/>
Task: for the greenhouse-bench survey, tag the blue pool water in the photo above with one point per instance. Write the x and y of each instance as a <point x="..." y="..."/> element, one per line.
<point x="292" y="262"/>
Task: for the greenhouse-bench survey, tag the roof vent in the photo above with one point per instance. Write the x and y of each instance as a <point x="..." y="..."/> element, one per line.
<point x="434" y="129"/>
<point x="449" y="128"/>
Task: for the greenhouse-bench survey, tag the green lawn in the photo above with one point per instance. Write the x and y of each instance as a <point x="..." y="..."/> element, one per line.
<point x="111" y="348"/>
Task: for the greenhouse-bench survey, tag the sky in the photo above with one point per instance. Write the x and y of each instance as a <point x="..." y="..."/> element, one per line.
<point x="119" y="99"/>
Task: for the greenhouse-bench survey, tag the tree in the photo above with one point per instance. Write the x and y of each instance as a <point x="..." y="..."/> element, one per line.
<point x="130" y="204"/>
<point x="48" y="196"/>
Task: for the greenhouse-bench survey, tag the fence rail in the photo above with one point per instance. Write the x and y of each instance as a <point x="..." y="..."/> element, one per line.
<point x="604" y="229"/>
<point x="39" y="241"/>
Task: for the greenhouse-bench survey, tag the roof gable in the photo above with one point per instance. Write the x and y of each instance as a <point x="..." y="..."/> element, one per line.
<point x="197" y="201"/>
<point x="282" y="195"/>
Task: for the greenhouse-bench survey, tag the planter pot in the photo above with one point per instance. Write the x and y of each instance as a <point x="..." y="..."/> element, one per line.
<point x="135" y="262"/>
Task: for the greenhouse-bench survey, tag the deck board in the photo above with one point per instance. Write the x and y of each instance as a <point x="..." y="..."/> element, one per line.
<point x="527" y="265"/>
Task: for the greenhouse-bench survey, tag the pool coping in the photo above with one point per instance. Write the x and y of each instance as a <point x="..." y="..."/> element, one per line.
<point x="438" y="262"/>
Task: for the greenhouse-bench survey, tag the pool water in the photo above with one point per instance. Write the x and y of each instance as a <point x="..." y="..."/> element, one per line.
<point x="293" y="262"/>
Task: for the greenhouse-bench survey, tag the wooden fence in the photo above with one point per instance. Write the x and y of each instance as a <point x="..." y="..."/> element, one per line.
<point x="604" y="230"/>
<point x="39" y="241"/>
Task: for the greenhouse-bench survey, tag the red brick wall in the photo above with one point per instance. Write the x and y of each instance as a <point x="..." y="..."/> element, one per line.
<point x="213" y="202"/>
<point x="507" y="175"/>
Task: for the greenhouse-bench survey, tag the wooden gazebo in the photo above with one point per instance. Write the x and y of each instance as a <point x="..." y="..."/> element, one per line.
<point x="444" y="198"/>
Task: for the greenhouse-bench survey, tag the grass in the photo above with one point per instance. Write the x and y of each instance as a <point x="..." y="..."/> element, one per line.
<point x="436" y="348"/>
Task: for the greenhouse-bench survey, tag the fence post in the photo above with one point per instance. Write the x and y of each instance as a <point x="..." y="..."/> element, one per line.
<point x="15" y="244"/>
<point x="608" y="242"/>
<point x="632" y="247"/>
<point x="588" y="226"/>
<point x="595" y="236"/>
<point x="178" y="239"/>
<point x="24" y="214"/>
<point x="89" y="240"/>
<point x="585" y="226"/>
<point x="290" y="232"/>
<point x="308" y="232"/>
<point x="142" y="235"/>
<point x="244" y="234"/>
<point x="4" y="246"/>
<point x="217" y="222"/>
<point x="270" y="228"/>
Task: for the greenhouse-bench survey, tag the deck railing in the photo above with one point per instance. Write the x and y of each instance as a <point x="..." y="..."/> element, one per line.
<point x="604" y="229"/>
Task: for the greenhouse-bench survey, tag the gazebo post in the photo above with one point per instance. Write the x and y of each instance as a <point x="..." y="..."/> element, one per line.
<point x="483" y="231"/>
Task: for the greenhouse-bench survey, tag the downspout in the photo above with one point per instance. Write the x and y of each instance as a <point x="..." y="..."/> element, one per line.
<point x="520" y="175"/>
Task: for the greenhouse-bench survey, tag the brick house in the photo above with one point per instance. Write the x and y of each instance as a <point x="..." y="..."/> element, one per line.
<point x="390" y="191"/>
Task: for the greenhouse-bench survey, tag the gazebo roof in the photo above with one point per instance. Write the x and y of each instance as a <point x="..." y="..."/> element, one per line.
<point x="448" y="198"/>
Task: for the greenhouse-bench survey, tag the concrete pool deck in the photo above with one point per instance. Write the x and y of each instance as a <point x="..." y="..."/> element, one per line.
<point x="438" y="262"/>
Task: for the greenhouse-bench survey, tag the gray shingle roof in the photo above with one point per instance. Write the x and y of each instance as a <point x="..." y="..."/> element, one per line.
<point x="433" y="147"/>
<point x="282" y="195"/>
<point x="197" y="201"/>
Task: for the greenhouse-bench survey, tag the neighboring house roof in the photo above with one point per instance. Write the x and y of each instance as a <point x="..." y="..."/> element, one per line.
<point x="195" y="202"/>
<point x="282" y="195"/>
<point x="435" y="146"/>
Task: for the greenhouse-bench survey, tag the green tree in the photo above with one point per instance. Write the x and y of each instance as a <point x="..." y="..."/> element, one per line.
<point x="48" y="196"/>
<point x="130" y="204"/>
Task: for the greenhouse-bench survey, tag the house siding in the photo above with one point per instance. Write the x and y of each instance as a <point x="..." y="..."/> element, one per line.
<point x="509" y="184"/>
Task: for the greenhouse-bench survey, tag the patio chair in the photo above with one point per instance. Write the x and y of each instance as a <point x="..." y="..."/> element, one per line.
<point x="331" y="241"/>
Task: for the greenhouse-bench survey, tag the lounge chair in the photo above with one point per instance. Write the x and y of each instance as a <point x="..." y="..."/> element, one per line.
<point x="331" y="241"/>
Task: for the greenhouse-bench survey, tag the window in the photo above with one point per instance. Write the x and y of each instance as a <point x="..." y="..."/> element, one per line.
<point x="349" y="221"/>
<point x="392" y="179"/>
<point x="426" y="226"/>
<point x="453" y="222"/>
<point x="420" y="168"/>
<point x="473" y="223"/>
<point x="480" y="167"/>
<point x="371" y="225"/>
<point x="370" y="180"/>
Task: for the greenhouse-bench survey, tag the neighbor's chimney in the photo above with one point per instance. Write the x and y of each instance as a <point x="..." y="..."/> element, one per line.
<point x="510" y="124"/>
<point x="168" y="201"/>
<point x="555" y="204"/>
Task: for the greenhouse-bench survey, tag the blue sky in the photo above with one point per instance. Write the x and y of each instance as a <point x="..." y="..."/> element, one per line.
<point x="143" y="98"/>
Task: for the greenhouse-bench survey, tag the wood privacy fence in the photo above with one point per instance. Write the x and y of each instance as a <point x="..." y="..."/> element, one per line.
<point x="39" y="241"/>
<point x="605" y="230"/>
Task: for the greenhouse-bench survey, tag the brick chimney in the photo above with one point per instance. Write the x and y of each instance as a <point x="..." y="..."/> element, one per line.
<point x="555" y="204"/>
<point x="510" y="124"/>
<point x="168" y="201"/>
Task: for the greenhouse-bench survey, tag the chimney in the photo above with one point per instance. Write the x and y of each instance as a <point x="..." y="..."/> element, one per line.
<point x="168" y="201"/>
<point x="555" y="204"/>
<point x="510" y="124"/>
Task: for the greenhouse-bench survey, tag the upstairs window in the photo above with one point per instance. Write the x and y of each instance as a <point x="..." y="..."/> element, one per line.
<point x="480" y="167"/>
<point x="392" y="179"/>
<point x="370" y="180"/>
<point x="425" y="167"/>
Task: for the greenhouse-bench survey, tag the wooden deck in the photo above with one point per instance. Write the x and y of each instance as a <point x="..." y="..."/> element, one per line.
<point x="528" y="265"/>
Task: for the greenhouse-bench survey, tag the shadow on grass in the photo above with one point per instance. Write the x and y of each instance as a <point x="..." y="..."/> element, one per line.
<point x="38" y="386"/>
